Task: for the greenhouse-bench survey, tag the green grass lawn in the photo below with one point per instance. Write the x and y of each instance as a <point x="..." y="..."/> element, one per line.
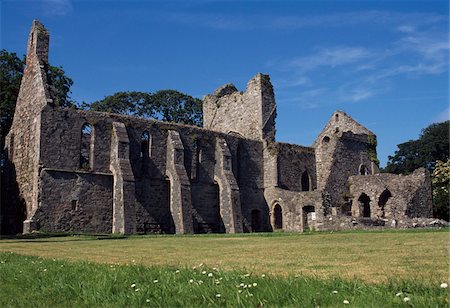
<point x="367" y="269"/>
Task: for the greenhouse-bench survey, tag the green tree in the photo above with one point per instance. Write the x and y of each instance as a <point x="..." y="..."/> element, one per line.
<point x="433" y="145"/>
<point x="440" y="181"/>
<point x="174" y="106"/>
<point x="11" y="72"/>
<point x="164" y="105"/>
<point x="128" y="103"/>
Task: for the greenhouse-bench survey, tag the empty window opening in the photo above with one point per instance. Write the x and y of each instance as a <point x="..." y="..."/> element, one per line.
<point x="305" y="181"/>
<point x="363" y="170"/>
<point x="86" y="153"/>
<point x="384" y="197"/>
<point x="277" y="217"/>
<point x="256" y="220"/>
<point x="74" y="205"/>
<point x="364" y="205"/>
<point x="145" y="145"/>
<point x="326" y="140"/>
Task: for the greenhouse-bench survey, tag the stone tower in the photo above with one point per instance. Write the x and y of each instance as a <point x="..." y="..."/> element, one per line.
<point x="23" y="140"/>
<point x="250" y="114"/>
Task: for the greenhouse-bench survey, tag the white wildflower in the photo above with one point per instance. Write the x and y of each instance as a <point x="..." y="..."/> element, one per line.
<point x="406" y="299"/>
<point x="239" y="291"/>
<point x="155" y="281"/>
<point x="242" y="285"/>
<point x="137" y="290"/>
<point x="399" y="294"/>
<point x="346" y="302"/>
<point x="246" y="275"/>
<point x="191" y="280"/>
<point x="133" y="285"/>
<point x="335" y="292"/>
<point x="444" y="285"/>
<point x="263" y="275"/>
<point x="147" y="300"/>
<point x="218" y="295"/>
<point x="210" y="274"/>
<point x="203" y="272"/>
<point x="255" y="284"/>
<point x="177" y="271"/>
<point x="200" y="281"/>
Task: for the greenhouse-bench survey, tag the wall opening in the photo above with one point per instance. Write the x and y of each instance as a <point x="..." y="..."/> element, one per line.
<point x="336" y="117"/>
<point x="277" y="217"/>
<point x="256" y="220"/>
<point x="384" y="197"/>
<point x="309" y="217"/>
<point x="145" y="145"/>
<point x="87" y="147"/>
<point x="305" y="181"/>
<point x="325" y="140"/>
<point x="363" y="170"/>
<point x="364" y="205"/>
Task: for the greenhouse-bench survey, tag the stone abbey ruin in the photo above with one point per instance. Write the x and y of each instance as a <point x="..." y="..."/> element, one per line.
<point x="82" y="171"/>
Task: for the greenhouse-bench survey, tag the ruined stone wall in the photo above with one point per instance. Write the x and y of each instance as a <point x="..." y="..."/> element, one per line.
<point x="61" y="136"/>
<point x="293" y="161"/>
<point x="295" y="208"/>
<point x="74" y="202"/>
<point x="23" y="141"/>
<point x="343" y="149"/>
<point x="404" y="196"/>
<point x="251" y="113"/>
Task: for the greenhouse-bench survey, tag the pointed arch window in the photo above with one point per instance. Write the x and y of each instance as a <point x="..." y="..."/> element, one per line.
<point x="305" y="181"/>
<point x="87" y="147"/>
<point x="145" y="145"/>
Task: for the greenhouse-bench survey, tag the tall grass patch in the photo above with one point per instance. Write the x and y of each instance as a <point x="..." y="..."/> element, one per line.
<point x="40" y="282"/>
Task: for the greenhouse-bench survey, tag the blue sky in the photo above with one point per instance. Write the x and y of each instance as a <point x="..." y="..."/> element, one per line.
<point x="385" y="63"/>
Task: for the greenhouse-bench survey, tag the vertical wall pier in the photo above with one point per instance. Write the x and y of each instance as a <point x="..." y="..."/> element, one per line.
<point x="229" y="196"/>
<point x="180" y="187"/>
<point x="124" y="183"/>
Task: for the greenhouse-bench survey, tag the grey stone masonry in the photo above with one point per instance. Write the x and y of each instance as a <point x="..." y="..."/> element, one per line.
<point x="180" y="187"/>
<point x="229" y="196"/>
<point x="73" y="170"/>
<point x="124" y="182"/>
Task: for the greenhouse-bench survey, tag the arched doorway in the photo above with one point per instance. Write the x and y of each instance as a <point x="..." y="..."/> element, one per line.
<point x="305" y="181"/>
<point x="364" y="205"/>
<point x="384" y="197"/>
<point x="256" y="220"/>
<point x="309" y="217"/>
<point x="277" y="217"/>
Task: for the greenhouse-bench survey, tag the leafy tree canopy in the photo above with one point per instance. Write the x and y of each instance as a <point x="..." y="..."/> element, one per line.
<point x="164" y="105"/>
<point x="432" y="145"/>
<point x="11" y="72"/>
<point x="440" y="182"/>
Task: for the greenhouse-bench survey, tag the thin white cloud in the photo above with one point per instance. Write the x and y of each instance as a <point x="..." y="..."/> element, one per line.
<point x="237" y="22"/>
<point x="442" y="116"/>
<point x="57" y="7"/>
<point x="331" y="57"/>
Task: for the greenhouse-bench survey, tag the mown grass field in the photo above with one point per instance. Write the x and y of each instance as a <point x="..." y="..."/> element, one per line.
<point x="367" y="269"/>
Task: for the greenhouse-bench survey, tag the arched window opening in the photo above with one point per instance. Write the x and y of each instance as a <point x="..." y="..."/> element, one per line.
<point x="364" y="205"/>
<point x="256" y="220"/>
<point x="86" y="152"/>
<point x="305" y="181"/>
<point x="309" y="217"/>
<point x="384" y="197"/>
<point x="363" y="170"/>
<point x="145" y="144"/>
<point x="325" y="140"/>
<point x="277" y="217"/>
